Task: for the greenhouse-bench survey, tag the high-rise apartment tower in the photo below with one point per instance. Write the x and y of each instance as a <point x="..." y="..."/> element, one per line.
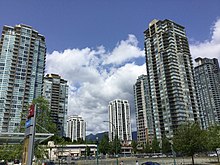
<point x="76" y="128"/>
<point x="22" y="64"/>
<point x="207" y="76"/>
<point x="144" y="117"/>
<point x="170" y="77"/>
<point x="120" y="120"/>
<point x="56" y="92"/>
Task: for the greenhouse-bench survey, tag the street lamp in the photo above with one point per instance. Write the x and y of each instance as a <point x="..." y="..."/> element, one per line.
<point x="115" y="139"/>
<point x="50" y="152"/>
<point x="173" y="153"/>
<point x="97" y="159"/>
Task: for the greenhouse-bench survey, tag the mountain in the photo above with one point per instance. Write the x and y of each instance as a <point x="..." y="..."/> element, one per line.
<point x="92" y="137"/>
<point x="134" y="135"/>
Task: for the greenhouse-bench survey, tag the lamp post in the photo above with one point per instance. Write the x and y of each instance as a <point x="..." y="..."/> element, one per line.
<point x="50" y="152"/>
<point x="115" y="139"/>
<point x="174" y="154"/>
<point x="97" y="158"/>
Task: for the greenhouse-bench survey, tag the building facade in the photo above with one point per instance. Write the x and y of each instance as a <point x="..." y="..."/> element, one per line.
<point x="55" y="91"/>
<point x="120" y="120"/>
<point x="76" y="128"/>
<point x="22" y="64"/>
<point x="207" y="76"/>
<point x="71" y="152"/>
<point x="144" y="117"/>
<point x="170" y="76"/>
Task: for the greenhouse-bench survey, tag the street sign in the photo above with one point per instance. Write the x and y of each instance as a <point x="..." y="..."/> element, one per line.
<point x="28" y="123"/>
<point x="31" y="111"/>
<point x="29" y="136"/>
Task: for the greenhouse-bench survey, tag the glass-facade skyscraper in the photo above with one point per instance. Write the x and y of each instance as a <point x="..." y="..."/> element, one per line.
<point x="170" y="77"/>
<point x="144" y="116"/>
<point x="55" y="91"/>
<point x="207" y="76"/>
<point x="22" y="64"/>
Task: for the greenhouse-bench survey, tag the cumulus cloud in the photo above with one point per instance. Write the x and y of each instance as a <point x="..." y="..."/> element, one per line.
<point x="97" y="76"/>
<point x="124" y="51"/>
<point x="209" y="48"/>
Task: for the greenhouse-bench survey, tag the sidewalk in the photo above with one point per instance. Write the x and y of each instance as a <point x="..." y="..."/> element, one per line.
<point x="162" y="161"/>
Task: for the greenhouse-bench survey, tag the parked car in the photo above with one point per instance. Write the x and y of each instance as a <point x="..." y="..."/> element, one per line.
<point x="49" y="163"/>
<point x="16" y="162"/>
<point x="150" y="163"/>
<point x="3" y="162"/>
<point x="212" y="154"/>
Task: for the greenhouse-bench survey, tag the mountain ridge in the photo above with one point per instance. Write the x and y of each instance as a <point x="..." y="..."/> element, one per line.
<point x="92" y="137"/>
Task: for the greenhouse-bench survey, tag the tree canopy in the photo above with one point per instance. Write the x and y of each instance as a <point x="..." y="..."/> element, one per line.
<point x="166" y="146"/>
<point x="44" y="121"/>
<point x="189" y="139"/>
<point x="213" y="138"/>
<point x="104" y="145"/>
<point x="155" y="145"/>
<point x="134" y="145"/>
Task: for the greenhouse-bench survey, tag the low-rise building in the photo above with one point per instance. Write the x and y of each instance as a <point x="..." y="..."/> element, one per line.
<point x="73" y="151"/>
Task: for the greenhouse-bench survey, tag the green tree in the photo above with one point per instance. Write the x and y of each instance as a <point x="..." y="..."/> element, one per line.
<point x="11" y="152"/>
<point x="213" y="138"/>
<point x="117" y="143"/>
<point x="67" y="139"/>
<point x="166" y="146"/>
<point x="155" y="145"/>
<point x="134" y="145"/>
<point x="147" y="147"/>
<point x="80" y="141"/>
<point x="44" y="122"/>
<point x="141" y="148"/>
<point x="104" y="145"/>
<point x="21" y="127"/>
<point x="57" y="140"/>
<point x="115" y="146"/>
<point x="40" y="152"/>
<point x="189" y="139"/>
<point x="88" y="150"/>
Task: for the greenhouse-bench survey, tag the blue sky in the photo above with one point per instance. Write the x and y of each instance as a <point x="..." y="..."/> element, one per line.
<point x="89" y="23"/>
<point x="98" y="45"/>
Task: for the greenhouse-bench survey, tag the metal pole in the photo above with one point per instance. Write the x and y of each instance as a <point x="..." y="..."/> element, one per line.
<point x="116" y="148"/>
<point x="31" y="138"/>
<point x="174" y="155"/>
<point x="86" y="145"/>
<point x="97" y="159"/>
<point x="50" y="153"/>
<point x="116" y="139"/>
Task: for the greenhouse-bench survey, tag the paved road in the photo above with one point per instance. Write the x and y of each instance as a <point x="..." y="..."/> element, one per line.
<point x="162" y="161"/>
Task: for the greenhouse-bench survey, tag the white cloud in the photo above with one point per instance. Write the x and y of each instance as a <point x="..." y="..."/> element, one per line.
<point x="124" y="51"/>
<point x="92" y="84"/>
<point x="209" y="48"/>
<point x="97" y="76"/>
